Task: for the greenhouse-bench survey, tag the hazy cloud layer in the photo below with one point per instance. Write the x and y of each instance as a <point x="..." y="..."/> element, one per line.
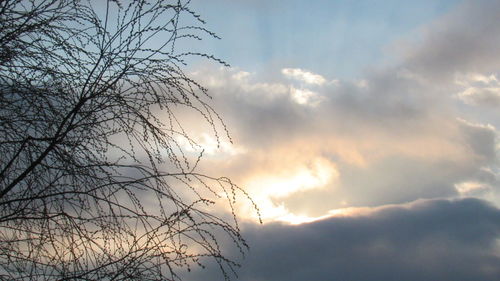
<point x="306" y="143"/>
<point x="387" y="139"/>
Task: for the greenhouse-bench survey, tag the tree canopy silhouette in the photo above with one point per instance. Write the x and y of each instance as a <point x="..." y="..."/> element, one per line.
<point x="95" y="183"/>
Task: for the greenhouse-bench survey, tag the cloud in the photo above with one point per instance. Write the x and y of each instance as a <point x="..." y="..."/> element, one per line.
<point x="305" y="96"/>
<point x="303" y="76"/>
<point x="426" y="240"/>
<point x="271" y="186"/>
<point x="480" y="90"/>
<point x="465" y="40"/>
<point x="480" y="139"/>
<point x="471" y="187"/>
<point x="348" y="156"/>
<point x="481" y="96"/>
<point x="392" y="140"/>
<point x="396" y="135"/>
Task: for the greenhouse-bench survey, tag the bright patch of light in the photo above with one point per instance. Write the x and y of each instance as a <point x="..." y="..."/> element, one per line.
<point x="265" y="188"/>
<point x="210" y="146"/>
<point x="474" y="78"/>
<point x="306" y="178"/>
<point x="465" y="188"/>
<point x="296" y="219"/>
<point x="342" y="212"/>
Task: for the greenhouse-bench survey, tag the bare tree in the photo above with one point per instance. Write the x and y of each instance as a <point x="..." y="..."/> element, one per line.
<point x="94" y="181"/>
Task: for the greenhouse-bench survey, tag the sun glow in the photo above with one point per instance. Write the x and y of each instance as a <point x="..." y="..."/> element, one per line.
<point x="268" y="189"/>
<point x="342" y="212"/>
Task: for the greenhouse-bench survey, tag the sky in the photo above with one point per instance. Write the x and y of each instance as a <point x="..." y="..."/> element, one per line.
<point x="365" y="131"/>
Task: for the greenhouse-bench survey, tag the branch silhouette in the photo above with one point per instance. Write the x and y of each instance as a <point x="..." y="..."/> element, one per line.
<point x="89" y="93"/>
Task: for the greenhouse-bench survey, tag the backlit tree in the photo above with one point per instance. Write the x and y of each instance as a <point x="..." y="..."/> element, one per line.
<point x="95" y="183"/>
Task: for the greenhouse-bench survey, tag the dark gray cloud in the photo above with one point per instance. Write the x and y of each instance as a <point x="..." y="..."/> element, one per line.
<point x="428" y="240"/>
<point x="463" y="41"/>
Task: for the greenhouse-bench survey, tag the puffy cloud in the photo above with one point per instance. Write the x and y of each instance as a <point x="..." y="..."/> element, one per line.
<point x="304" y="76"/>
<point x="479" y="89"/>
<point x="481" y="96"/>
<point x="425" y="240"/>
<point x="305" y="96"/>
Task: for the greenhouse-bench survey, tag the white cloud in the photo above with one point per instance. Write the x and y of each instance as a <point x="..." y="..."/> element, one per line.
<point x="479" y="89"/>
<point x="304" y="76"/>
<point x="471" y="78"/>
<point x="241" y="75"/>
<point x="481" y="96"/>
<point x="305" y="96"/>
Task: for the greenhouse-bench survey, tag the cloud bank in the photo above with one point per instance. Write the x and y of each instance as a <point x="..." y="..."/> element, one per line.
<point x="390" y="138"/>
<point x="426" y="240"/>
<point x="414" y="129"/>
